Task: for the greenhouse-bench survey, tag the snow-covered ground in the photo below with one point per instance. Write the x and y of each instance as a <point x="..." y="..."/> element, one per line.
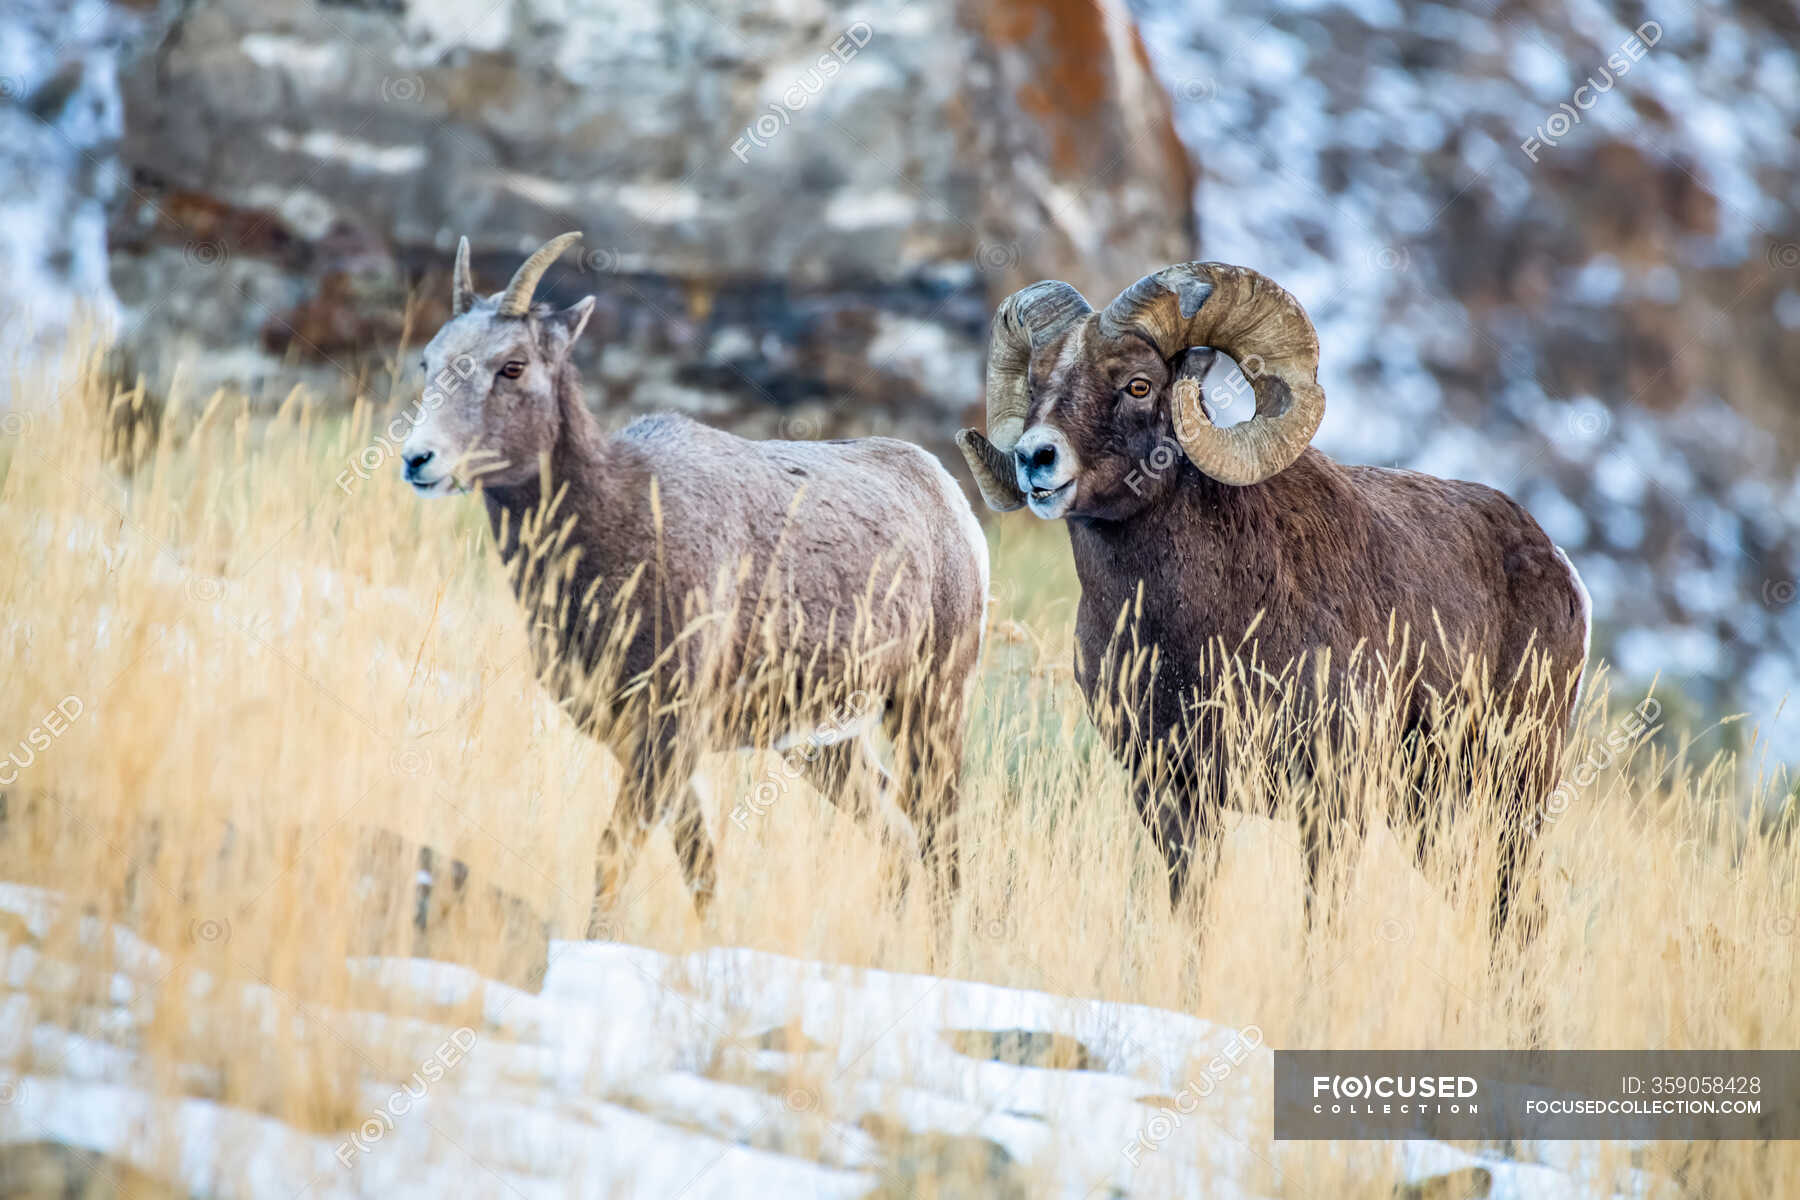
<point x="722" y="1073"/>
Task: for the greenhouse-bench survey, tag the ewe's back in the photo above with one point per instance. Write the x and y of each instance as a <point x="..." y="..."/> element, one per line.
<point x="819" y="538"/>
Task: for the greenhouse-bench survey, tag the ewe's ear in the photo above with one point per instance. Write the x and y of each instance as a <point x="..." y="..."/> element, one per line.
<point x="568" y="324"/>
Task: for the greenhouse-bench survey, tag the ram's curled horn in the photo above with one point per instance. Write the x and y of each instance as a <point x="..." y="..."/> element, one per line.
<point x="462" y="284"/>
<point x="517" y="300"/>
<point x="1025" y="319"/>
<point x="1253" y="319"/>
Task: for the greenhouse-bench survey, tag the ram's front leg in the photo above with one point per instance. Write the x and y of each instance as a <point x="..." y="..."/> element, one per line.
<point x="1185" y="828"/>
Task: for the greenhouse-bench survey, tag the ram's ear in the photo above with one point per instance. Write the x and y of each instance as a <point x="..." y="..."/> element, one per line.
<point x="558" y="331"/>
<point x="993" y="471"/>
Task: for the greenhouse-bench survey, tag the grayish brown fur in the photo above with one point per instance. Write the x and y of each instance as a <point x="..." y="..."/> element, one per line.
<point x="690" y="590"/>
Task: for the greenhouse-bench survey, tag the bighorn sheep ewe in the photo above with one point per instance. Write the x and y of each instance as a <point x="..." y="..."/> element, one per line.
<point x="689" y="590"/>
<point x="1194" y="540"/>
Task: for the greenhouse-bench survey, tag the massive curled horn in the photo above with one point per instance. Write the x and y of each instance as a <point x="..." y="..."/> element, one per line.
<point x="1025" y="319"/>
<point x="517" y="300"/>
<point x="1253" y="319"/>
<point x="462" y="284"/>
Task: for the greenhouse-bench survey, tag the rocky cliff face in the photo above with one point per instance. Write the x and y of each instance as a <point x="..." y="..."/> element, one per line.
<point x="1553" y="248"/>
<point x="1556" y="249"/>
<point x="797" y="221"/>
<point x="60" y="120"/>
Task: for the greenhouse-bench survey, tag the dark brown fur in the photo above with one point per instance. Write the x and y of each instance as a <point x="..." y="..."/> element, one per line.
<point x="1322" y="561"/>
<point x="766" y="586"/>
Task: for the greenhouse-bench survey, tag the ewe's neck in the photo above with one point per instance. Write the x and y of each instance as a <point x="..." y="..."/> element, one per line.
<point x="577" y="464"/>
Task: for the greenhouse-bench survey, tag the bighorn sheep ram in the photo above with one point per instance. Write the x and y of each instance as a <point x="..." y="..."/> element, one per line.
<point x="689" y="590"/>
<point x="1194" y="540"/>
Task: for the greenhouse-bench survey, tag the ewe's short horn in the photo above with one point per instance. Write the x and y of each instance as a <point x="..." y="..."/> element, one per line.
<point x="517" y="300"/>
<point x="1254" y="320"/>
<point x="1025" y="319"/>
<point x="462" y="284"/>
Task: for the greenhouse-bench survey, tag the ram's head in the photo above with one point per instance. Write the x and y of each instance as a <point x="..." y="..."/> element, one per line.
<point x="1080" y="401"/>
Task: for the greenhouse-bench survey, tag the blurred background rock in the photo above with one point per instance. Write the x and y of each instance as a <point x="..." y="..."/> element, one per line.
<point x="799" y="218"/>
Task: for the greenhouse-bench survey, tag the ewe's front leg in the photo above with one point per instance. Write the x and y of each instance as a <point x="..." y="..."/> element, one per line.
<point x="658" y="780"/>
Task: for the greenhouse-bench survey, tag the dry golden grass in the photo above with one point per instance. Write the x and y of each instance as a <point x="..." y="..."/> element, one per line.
<point x="264" y="660"/>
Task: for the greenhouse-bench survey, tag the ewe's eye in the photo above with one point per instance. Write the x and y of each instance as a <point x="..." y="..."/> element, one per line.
<point x="513" y="370"/>
<point x="1138" y="388"/>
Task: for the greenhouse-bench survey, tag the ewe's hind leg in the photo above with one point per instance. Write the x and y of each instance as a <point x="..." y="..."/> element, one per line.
<point x="832" y="773"/>
<point x="694" y="847"/>
<point x="930" y="760"/>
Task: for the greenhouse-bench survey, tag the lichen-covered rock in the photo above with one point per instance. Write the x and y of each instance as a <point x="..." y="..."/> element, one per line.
<point x="1552" y="248"/>
<point x="797" y="219"/>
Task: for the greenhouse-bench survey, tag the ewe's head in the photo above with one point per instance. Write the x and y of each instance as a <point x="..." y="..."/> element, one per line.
<point x="490" y="406"/>
<point x="1089" y="412"/>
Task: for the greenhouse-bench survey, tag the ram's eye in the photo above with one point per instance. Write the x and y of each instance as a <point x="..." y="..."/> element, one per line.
<point x="513" y="370"/>
<point x="1138" y="388"/>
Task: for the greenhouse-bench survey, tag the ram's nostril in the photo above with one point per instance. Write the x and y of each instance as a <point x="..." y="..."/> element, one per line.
<point x="1043" y="456"/>
<point x="415" y="461"/>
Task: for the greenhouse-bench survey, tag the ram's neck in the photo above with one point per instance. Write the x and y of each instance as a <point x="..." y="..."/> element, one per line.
<point x="1205" y="556"/>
